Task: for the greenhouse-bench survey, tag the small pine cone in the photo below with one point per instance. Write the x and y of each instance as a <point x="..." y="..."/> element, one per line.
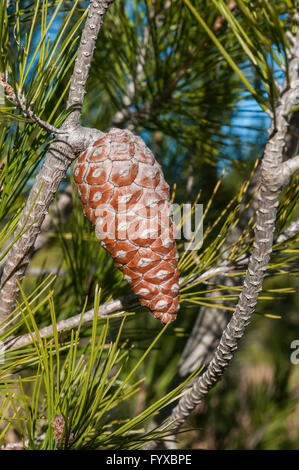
<point x="126" y="198"/>
<point x="58" y="430"/>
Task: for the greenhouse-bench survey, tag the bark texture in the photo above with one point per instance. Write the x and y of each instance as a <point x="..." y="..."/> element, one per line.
<point x="268" y="199"/>
<point x="72" y="140"/>
<point x="272" y="176"/>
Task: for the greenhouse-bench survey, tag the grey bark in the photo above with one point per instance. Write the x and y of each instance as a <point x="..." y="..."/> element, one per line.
<point x="289" y="232"/>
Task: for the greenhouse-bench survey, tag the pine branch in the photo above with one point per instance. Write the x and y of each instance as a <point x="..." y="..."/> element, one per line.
<point x="58" y="213"/>
<point x="95" y="18"/>
<point x="211" y="321"/>
<point x="61" y="154"/>
<point x="72" y="322"/>
<point x="289" y="232"/>
<point x="268" y="199"/>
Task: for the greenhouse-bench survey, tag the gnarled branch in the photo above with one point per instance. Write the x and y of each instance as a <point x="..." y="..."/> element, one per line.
<point x="268" y="199"/>
<point x="61" y="153"/>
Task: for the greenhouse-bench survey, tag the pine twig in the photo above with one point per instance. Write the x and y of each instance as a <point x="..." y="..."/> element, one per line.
<point x="289" y="232"/>
<point x="289" y="167"/>
<point x="72" y="322"/>
<point x="19" y="100"/>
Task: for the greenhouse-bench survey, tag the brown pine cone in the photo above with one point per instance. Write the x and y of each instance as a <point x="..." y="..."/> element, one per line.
<point x="126" y="198"/>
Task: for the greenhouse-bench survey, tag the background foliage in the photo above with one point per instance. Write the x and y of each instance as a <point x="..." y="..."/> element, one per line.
<point x="194" y="80"/>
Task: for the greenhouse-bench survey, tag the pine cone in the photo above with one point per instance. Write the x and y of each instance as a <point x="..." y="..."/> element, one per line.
<point x="126" y="198"/>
